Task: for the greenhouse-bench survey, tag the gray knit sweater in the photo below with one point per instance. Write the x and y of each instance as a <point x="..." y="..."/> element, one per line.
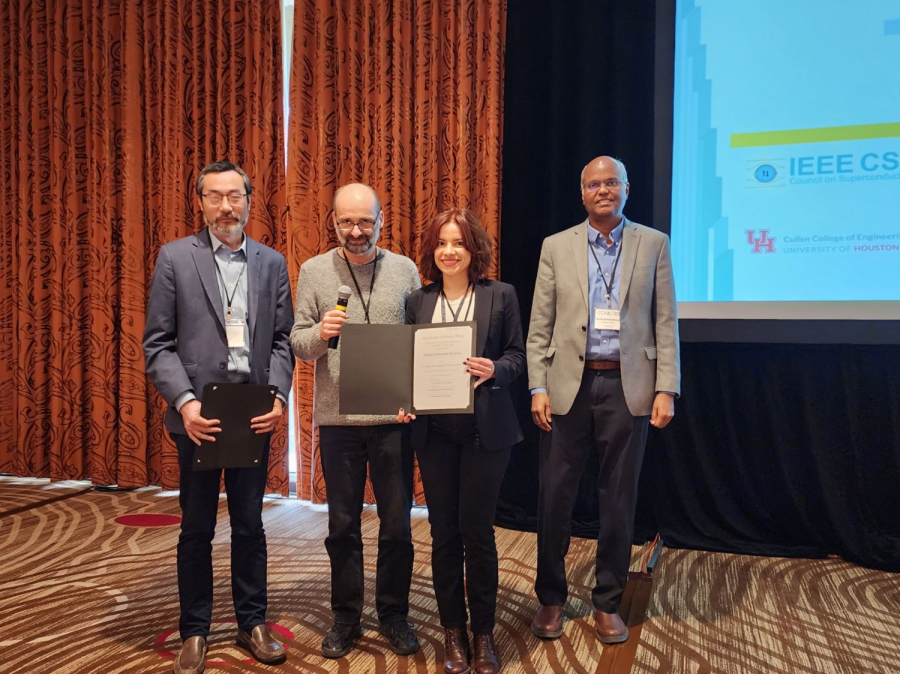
<point x="320" y="277"/>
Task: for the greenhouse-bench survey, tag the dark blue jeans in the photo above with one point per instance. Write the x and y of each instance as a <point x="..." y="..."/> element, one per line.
<point x="345" y="452"/>
<point x="199" y="499"/>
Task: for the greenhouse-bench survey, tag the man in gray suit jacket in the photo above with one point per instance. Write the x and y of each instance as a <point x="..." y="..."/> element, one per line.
<point x="602" y="363"/>
<point x="219" y="311"/>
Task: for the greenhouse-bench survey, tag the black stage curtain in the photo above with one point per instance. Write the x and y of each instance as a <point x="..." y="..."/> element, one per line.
<point x="785" y="450"/>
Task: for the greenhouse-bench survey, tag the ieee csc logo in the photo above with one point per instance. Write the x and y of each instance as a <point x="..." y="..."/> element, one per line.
<point x="765" y="173"/>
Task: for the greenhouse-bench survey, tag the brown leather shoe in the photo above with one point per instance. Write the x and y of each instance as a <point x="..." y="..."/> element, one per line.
<point x="547" y="622"/>
<point x="611" y="628"/>
<point x="485" y="659"/>
<point x="190" y="659"/>
<point x="262" y="645"/>
<point x="456" y="651"/>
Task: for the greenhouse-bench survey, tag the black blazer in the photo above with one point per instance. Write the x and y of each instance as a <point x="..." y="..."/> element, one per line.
<point x="499" y="337"/>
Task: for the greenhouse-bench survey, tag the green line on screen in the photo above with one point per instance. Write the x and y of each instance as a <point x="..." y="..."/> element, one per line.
<point x="824" y="134"/>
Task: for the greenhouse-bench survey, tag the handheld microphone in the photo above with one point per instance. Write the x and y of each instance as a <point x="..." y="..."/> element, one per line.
<point x="343" y="295"/>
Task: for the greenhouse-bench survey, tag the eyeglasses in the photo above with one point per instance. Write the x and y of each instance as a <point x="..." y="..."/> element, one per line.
<point x="215" y="199"/>
<point x="365" y="225"/>
<point x="594" y="185"/>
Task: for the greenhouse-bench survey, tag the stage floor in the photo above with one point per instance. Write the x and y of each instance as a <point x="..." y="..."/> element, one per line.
<point x="81" y="593"/>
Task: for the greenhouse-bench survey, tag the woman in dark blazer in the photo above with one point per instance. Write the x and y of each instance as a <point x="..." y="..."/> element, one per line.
<point x="462" y="457"/>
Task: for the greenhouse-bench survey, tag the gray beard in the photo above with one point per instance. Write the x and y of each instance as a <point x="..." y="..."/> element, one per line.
<point x="226" y="231"/>
<point x="358" y="248"/>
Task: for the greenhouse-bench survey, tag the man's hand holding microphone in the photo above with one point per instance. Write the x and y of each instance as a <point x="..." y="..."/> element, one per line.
<point x="330" y="327"/>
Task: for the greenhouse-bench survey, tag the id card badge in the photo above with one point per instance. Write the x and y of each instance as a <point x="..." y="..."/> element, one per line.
<point x="606" y="319"/>
<point x="234" y="333"/>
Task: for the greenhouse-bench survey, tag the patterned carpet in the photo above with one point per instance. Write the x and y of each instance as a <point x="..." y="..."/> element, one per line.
<point x="81" y="593"/>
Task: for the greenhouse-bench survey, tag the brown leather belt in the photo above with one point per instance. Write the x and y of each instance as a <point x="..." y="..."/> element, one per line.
<point x="601" y="365"/>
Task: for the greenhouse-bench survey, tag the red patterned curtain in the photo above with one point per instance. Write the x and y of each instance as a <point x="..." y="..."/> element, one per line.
<point x="108" y="109"/>
<point x="406" y="96"/>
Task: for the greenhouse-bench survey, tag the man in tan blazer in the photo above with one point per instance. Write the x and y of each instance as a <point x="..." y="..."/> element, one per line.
<point x="602" y="364"/>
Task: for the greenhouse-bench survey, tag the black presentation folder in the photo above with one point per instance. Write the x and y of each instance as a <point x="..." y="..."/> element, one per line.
<point x="377" y="368"/>
<point x="234" y="405"/>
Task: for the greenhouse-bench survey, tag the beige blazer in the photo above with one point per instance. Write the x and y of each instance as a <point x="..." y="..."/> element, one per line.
<point x="560" y="316"/>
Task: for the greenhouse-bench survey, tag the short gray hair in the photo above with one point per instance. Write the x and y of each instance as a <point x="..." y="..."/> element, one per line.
<point x="223" y="166"/>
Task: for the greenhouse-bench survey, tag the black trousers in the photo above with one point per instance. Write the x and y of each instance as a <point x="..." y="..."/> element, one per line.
<point x="598" y="421"/>
<point x="345" y="452"/>
<point x="462" y="484"/>
<point x="199" y="500"/>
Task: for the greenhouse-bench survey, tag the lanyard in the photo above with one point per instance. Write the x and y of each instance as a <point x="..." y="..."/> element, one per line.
<point x="362" y="300"/>
<point x="612" y="276"/>
<point x="456" y="314"/>
<point x="230" y="298"/>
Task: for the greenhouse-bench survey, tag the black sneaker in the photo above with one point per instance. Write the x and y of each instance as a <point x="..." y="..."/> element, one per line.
<point x="340" y="639"/>
<point x="400" y="636"/>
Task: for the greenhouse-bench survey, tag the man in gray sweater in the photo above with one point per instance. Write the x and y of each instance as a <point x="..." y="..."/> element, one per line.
<point x="381" y="281"/>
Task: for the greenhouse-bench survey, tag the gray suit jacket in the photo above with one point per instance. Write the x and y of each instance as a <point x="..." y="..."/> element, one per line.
<point x="560" y="316"/>
<point x="184" y="338"/>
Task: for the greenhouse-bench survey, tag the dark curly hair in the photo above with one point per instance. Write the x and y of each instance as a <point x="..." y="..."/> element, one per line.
<point x="475" y="240"/>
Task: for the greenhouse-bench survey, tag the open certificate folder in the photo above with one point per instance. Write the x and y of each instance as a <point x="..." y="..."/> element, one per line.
<point x="420" y="368"/>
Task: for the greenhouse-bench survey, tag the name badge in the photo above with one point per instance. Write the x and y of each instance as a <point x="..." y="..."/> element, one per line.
<point x="234" y="333"/>
<point x="606" y="319"/>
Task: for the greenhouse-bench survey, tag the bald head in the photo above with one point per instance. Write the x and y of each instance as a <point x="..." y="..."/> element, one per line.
<point x="357" y="220"/>
<point x="605" y="161"/>
<point x="356" y="196"/>
<point x="604" y="191"/>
